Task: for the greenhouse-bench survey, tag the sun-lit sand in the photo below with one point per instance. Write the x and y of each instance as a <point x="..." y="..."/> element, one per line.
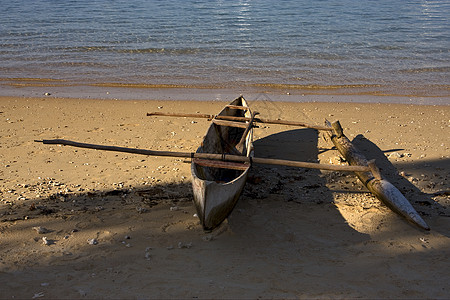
<point x="123" y="225"/>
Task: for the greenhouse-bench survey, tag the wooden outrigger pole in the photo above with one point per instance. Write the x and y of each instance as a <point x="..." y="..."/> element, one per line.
<point x="210" y="156"/>
<point x="242" y="119"/>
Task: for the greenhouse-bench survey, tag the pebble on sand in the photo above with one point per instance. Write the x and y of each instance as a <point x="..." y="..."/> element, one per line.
<point x="92" y="241"/>
<point x="41" y="230"/>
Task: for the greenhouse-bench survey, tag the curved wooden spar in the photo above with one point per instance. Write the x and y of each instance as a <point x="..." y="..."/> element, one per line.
<point x="210" y="156"/>
<point x="381" y="188"/>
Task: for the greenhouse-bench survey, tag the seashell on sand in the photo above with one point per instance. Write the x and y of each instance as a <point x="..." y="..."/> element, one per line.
<point x="45" y="241"/>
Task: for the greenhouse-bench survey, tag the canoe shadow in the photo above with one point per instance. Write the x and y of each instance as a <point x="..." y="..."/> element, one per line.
<point x="296" y="184"/>
<point x="423" y="202"/>
<point x="275" y="194"/>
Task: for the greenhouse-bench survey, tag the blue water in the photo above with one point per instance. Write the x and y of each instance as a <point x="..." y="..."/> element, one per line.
<point x="380" y="47"/>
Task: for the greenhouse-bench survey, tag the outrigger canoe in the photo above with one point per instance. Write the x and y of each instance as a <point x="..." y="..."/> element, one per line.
<point x="217" y="185"/>
<point x="220" y="165"/>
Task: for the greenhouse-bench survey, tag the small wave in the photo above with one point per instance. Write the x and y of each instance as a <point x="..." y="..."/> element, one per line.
<point x="315" y="86"/>
<point x="131" y="50"/>
<point x="386" y="47"/>
<point x="43" y="80"/>
<point x="153" y="86"/>
<point x="160" y="50"/>
<point x="87" y="48"/>
<point x="427" y="70"/>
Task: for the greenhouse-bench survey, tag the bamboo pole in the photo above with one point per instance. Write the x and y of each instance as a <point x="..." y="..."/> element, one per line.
<point x="212" y="156"/>
<point x="242" y="119"/>
<point x="373" y="180"/>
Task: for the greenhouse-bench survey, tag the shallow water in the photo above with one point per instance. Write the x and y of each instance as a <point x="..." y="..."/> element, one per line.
<point x="395" y="48"/>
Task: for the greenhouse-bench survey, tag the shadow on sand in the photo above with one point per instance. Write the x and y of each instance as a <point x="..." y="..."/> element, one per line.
<point x="284" y="239"/>
<point x="277" y="195"/>
<point x="424" y="203"/>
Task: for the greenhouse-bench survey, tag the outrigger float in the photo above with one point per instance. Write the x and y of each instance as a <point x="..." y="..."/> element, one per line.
<point x="221" y="164"/>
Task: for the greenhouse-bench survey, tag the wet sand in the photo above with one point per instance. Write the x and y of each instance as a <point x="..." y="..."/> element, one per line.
<point x="123" y="226"/>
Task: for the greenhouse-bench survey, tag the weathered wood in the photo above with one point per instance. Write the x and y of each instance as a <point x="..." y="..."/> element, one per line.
<point x="307" y="165"/>
<point x="237" y="107"/>
<point x="166" y="114"/>
<point x="337" y="129"/>
<point x="229" y="123"/>
<point x="381" y="188"/>
<point x="217" y="190"/>
<point x="221" y="164"/>
<point x="235" y="158"/>
<point x="374" y="169"/>
<point x="240" y="146"/>
<point x="243" y="119"/>
<point x="293" y="123"/>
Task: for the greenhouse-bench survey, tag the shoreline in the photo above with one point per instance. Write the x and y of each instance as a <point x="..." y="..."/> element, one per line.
<point x="38" y="87"/>
<point x="294" y="232"/>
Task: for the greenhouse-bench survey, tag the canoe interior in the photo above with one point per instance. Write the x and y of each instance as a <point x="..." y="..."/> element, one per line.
<point x="223" y="140"/>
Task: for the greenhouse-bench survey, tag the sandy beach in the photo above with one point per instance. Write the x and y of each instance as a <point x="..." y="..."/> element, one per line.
<point x="123" y="226"/>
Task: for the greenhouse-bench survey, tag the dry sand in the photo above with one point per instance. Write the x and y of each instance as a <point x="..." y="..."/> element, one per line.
<point x="295" y="233"/>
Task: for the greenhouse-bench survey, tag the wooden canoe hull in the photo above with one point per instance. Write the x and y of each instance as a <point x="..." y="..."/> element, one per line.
<point x="215" y="201"/>
<point x="217" y="190"/>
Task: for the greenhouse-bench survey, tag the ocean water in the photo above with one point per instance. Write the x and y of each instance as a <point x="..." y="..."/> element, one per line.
<point x="296" y="48"/>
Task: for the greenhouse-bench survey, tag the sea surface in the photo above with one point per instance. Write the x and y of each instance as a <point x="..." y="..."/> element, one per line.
<point x="181" y="49"/>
